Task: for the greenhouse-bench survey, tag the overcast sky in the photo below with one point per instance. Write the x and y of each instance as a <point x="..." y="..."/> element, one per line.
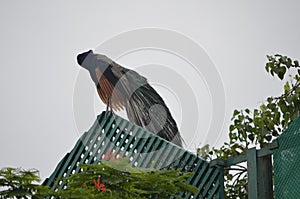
<point x="42" y="88"/>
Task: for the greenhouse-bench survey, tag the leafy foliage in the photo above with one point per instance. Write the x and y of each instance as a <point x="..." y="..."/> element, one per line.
<point x="109" y="179"/>
<point x="262" y="125"/>
<point x="18" y="183"/>
<point x="123" y="181"/>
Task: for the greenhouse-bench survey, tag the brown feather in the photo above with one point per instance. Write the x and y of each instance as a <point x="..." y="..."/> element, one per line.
<point x="108" y="91"/>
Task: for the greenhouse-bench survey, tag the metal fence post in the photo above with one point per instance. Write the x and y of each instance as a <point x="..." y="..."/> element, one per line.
<point x="260" y="184"/>
<point x="252" y="173"/>
<point x="264" y="172"/>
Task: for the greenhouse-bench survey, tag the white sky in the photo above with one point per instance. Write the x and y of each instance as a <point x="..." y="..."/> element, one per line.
<point x="39" y="74"/>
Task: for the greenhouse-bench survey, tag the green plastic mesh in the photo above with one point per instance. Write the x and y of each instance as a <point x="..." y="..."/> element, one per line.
<point x="287" y="163"/>
<point x="143" y="148"/>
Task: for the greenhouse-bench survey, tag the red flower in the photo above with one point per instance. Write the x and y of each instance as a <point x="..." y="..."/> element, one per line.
<point x="108" y="156"/>
<point x="99" y="186"/>
<point x="111" y="156"/>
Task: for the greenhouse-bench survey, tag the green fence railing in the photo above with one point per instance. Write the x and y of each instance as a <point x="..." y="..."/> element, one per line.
<point x="144" y="150"/>
<point x="287" y="163"/>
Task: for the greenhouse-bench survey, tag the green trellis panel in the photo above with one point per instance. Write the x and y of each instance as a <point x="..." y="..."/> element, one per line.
<point x="287" y="163"/>
<point x="144" y="149"/>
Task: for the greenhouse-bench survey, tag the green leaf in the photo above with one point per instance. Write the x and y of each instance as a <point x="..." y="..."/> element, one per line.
<point x="231" y="127"/>
<point x="251" y="137"/>
<point x="287" y="87"/>
<point x="281" y="72"/>
<point x="263" y="107"/>
<point x="268" y="138"/>
<point x="236" y="112"/>
<point x="275" y="133"/>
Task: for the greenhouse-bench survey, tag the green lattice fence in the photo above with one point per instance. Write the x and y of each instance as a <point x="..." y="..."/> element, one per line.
<point x="118" y="135"/>
<point x="287" y="163"/>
